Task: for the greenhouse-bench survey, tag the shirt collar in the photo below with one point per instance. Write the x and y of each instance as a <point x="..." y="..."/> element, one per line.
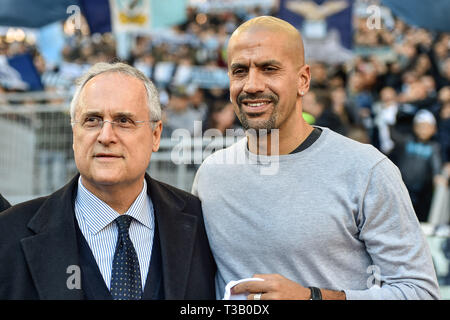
<point x="97" y="214"/>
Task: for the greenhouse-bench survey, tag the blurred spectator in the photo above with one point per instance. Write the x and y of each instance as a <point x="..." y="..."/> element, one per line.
<point x="358" y="133"/>
<point x="341" y="106"/>
<point x="393" y="76"/>
<point x="445" y="73"/>
<point x="385" y="117"/>
<point x="319" y="76"/>
<point x="221" y="117"/>
<point x="180" y="114"/>
<point x="362" y="99"/>
<point x="444" y="132"/>
<point x="419" y="161"/>
<point x="416" y="93"/>
<point x="198" y="100"/>
<point x="318" y="104"/>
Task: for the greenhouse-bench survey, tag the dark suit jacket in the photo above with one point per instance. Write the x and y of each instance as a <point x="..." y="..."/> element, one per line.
<point x="3" y="203"/>
<point x="38" y="244"/>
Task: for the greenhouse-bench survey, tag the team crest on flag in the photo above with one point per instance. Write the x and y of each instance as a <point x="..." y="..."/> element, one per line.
<point x="326" y="26"/>
<point x="130" y="15"/>
<point x="316" y="14"/>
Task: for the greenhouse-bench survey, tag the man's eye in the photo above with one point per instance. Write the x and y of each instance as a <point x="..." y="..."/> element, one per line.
<point x="91" y="121"/>
<point x="125" y="121"/>
<point x="270" y="69"/>
<point x="238" y="71"/>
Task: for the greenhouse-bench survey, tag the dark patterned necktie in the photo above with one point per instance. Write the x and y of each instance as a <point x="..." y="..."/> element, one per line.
<point x="126" y="275"/>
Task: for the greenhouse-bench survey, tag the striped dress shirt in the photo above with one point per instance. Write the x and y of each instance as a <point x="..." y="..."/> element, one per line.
<point x="96" y="221"/>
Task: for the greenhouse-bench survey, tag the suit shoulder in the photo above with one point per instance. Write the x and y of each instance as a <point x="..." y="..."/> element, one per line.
<point x="21" y="212"/>
<point x="14" y="221"/>
<point x="186" y="196"/>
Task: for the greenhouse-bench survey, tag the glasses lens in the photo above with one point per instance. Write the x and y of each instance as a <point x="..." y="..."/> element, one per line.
<point x="91" y="123"/>
<point x="125" y="123"/>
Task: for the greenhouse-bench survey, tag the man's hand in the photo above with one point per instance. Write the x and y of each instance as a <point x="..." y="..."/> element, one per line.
<point x="277" y="287"/>
<point x="274" y="287"/>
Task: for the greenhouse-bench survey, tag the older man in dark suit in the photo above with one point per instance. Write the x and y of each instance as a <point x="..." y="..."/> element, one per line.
<point x="112" y="232"/>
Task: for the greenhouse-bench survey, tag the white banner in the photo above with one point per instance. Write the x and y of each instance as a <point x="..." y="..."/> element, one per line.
<point x="218" y="5"/>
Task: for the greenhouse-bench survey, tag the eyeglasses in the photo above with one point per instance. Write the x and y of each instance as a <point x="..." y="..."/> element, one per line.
<point x="94" y="123"/>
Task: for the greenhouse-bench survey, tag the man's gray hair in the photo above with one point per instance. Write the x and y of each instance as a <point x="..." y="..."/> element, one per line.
<point x="103" y="67"/>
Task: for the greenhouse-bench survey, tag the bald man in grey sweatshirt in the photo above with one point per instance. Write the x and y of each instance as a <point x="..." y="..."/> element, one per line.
<point x="314" y="214"/>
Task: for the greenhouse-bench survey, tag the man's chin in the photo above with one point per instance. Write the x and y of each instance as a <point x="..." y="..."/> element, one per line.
<point x="258" y="126"/>
<point x="104" y="179"/>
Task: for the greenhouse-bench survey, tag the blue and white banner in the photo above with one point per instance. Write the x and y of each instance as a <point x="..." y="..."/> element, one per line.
<point x="201" y="76"/>
<point x="33" y="14"/>
<point x="316" y="18"/>
<point x="326" y="27"/>
<point x="97" y="14"/>
<point x="130" y="16"/>
<point x="431" y="15"/>
<point x="50" y="42"/>
<point x="226" y="5"/>
<point x="19" y="73"/>
<point x="138" y="16"/>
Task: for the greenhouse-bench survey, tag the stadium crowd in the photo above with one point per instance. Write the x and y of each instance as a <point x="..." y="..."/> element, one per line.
<point x="394" y="93"/>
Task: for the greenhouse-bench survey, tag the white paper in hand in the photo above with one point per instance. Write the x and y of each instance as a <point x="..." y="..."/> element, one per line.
<point x="231" y="284"/>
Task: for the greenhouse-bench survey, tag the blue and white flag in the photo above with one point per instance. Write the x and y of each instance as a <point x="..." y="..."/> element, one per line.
<point x="33" y="14"/>
<point x="138" y="16"/>
<point x="97" y="14"/>
<point x="167" y="13"/>
<point x="326" y="27"/>
<point x="19" y="73"/>
<point x="431" y="15"/>
<point x="315" y="18"/>
<point x="50" y="42"/>
<point x="130" y="15"/>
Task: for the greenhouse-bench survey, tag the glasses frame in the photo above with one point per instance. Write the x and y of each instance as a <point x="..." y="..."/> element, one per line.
<point x="113" y="124"/>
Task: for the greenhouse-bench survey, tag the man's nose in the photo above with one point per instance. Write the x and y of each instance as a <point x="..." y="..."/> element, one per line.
<point x="107" y="134"/>
<point x="254" y="82"/>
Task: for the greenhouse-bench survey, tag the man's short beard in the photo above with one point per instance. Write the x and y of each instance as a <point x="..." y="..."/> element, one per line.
<point x="259" y="126"/>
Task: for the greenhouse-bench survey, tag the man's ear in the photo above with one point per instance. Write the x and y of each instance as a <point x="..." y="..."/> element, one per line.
<point x="156" y="132"/>
<point x="304" y="79"/>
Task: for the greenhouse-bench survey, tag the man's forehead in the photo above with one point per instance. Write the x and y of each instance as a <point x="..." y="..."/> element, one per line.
<point x="102" y="111"/>
<point x="255" y="35"/>
<point x="113" y="86"/>
<point x="263" y="44"/>
<point x="109" y="81"/>
<point x="113" y="93"/>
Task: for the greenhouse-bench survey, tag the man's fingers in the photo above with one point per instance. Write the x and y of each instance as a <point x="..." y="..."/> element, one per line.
<point x="250" y="286"/>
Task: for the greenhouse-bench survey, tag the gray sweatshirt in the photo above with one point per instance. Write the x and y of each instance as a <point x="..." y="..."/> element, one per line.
<point x="335" y="216"/>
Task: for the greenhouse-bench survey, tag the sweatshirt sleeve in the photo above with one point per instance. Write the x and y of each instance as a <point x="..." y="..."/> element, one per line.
<point x="394" y="240"/>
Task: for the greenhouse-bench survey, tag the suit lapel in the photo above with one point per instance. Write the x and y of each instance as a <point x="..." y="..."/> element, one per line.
<point x="52" y="253"/>
<point x="177" y="236"/>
